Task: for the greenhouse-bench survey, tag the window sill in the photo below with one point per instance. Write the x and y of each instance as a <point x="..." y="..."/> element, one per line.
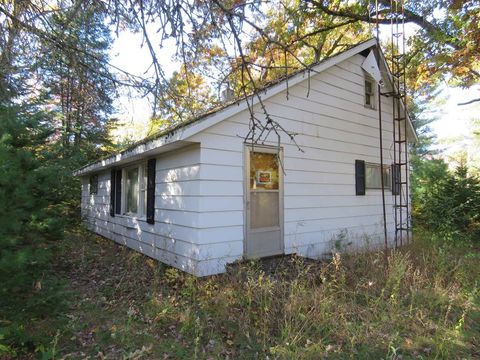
<point x="132" y="217"/>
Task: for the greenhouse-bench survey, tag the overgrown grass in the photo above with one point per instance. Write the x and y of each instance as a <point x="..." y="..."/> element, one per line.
<point x="424" y="302"/>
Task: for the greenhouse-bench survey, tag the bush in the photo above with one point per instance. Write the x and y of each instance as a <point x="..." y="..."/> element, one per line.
<point x="448" y="203"/>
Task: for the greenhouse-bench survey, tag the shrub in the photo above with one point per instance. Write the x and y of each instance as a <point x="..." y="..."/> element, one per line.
<point x="448" y="203"/>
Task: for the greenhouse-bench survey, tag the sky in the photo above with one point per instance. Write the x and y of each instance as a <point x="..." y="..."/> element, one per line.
<point x="134" y="111"/>
<point x="454" y="120"/>
<point x="454" y="126"/>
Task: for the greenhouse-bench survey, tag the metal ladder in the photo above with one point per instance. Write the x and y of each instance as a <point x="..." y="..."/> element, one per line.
<point x="400" y="170"/>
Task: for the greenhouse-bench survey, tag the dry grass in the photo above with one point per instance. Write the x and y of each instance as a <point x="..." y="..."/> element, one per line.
<point x="424" y="303"/>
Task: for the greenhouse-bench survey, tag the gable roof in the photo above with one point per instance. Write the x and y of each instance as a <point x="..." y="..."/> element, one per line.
<point x="177" y="135"/>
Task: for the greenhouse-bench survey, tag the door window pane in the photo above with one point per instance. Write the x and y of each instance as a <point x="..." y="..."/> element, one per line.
<point x="263" y="171"/>
<point x="264" y="209"/>
<point x="132" y="191"/>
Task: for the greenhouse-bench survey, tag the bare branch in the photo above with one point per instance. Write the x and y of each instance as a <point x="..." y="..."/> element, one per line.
<point x="468" y="102"/>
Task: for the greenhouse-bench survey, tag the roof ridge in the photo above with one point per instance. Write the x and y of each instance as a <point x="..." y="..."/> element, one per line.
<point x="216" y="108"/>
<point x="171" y="129"/>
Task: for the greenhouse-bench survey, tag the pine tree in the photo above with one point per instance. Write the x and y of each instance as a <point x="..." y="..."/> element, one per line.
<point x="30" y="219"/>
<point x="77" y="81"/>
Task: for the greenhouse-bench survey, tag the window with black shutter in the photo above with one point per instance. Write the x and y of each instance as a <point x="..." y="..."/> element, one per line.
<point x="395" y="179"/>
<point x="133" y="191"/>
<point x="151" y="191"/>
<point x="118" y="191"/>
<point x="112" y="192"/>
<point x="360" y="177"/>
<point x="369" y="176"/>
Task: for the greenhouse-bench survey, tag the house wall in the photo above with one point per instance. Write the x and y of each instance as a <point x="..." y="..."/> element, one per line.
<point x="174" y="237"/>
<point x="199" y="216"/>
<point x="321" y="210"/>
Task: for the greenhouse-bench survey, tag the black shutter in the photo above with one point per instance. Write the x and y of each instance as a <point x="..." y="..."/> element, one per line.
<point x="395" y="179"/>
<point x="151" y="191"/>
<point x="112" y="192"/>
<point x="360" y="177"/>
<point x="118" y="192"/>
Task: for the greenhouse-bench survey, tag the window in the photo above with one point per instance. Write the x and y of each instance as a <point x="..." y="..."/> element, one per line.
<point x="373" y="179"/>
<point x="143" y="188"/>
<point x="132" y="191"/>
<point x="264" y="190"/>
<point x="135" y="190"/>
<point x="131" y="203"/>
<point x="370" y="93"/>
<point x="93" y="184"/>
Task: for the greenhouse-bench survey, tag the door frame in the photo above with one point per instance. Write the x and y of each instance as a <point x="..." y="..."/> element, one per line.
<point x="246" y="199"/>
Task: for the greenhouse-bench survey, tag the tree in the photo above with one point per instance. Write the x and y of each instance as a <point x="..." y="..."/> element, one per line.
<point x="447" y="33"/>
<point x="15" y="56"/>
<point x="193" y="96"/>
<point x="293" y="37"/>
<point x="449" y="204"/>
<point x="447" y="36"/>
<point x="74" y="81"/>
<point x="246" y="43"/>
<point x="31" y="217"/>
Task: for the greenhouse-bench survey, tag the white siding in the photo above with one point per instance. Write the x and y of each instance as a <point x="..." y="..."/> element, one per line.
<point x="199" y="204"/>
<point x="174" y="238"/>
<point x="321" y="210"/>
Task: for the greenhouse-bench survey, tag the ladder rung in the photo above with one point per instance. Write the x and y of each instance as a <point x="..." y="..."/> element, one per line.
<point x="400" y="141"/>
<point x="404" y="228"/>
<point x="387" y="94"/>
<point x="399" y="118"/>
<point x="400" y="163"/>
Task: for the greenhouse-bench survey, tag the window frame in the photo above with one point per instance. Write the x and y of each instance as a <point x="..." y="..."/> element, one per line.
<point x="386" y="173"/>
<point x="93" y="180"/>
<point x="142" y="191"/>
<point x="372" y="94"/>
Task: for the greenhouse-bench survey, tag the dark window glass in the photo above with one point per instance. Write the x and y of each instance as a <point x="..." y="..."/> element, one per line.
<point x="93" y="184"/>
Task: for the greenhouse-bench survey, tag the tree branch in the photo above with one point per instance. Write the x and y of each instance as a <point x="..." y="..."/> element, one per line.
<point x="468" y="102"/>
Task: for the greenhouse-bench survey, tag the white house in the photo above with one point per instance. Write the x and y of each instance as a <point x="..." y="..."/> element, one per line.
<point x="197" y="197"/>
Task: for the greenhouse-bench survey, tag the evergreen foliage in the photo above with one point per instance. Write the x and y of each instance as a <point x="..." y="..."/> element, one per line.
<point x="30" y="218"/>
<point x="48" y="128"/>
<point x="448" y="203"/>
<point x="76" y="83"/>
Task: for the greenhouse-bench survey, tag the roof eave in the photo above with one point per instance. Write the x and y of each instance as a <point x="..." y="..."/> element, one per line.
<point x="194" y="127"/>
